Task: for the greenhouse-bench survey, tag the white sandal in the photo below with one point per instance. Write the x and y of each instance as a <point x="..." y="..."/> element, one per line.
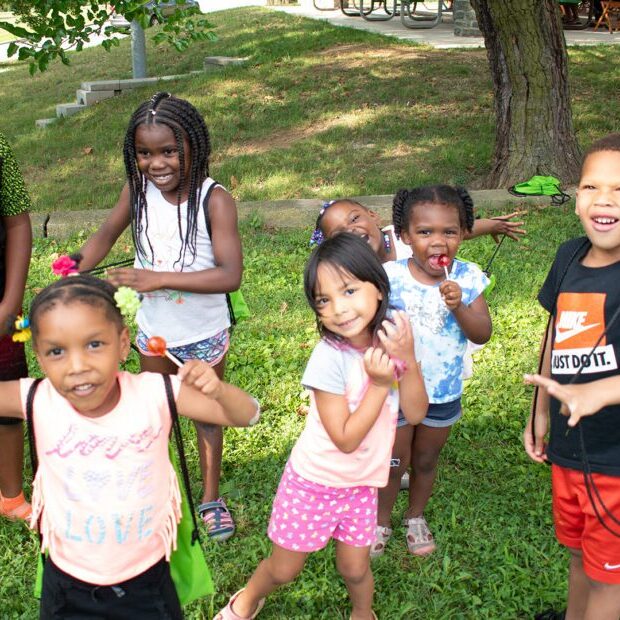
<point x="382" y="535"/>
<point x="419" y="538"/>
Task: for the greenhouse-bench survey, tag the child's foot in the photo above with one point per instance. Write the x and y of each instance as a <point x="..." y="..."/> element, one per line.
<point x="382" y="535"/>
<point x="15" y="507"/>
<point x="217" y="518"/>
<point x="228" y="613"/>
<point x="419" y="538"/>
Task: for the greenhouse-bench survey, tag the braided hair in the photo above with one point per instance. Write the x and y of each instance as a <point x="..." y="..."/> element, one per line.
<point x="81" y="288"/>
<point x="405" y="200"/>
<point x="185" y="122"/>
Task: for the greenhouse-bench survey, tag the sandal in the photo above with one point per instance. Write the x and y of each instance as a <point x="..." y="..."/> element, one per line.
<point x="228" y="613"/>
<point x="382" y="535"/>
<point x="15" y="508"/>
<point x="419" y="538"/>
<point x="216" y="516"/>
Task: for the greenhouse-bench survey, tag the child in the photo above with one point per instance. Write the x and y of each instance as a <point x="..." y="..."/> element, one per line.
<point x="349" y="215"/>
<point x="329" y="486"/>
<point x="105" y="496"/>
<point x="188" y="255"/>
<point x="581" y="294"/>
<point x="15" y="248"/>
<point x="445" y="313"/>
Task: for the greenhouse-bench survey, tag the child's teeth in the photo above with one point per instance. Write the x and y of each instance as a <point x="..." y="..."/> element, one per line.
<point x="605" y="220"/>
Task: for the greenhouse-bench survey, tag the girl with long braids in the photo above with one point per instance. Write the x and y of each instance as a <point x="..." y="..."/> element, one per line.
<point x="188" y="256"/>
<point x="443" y="298"/>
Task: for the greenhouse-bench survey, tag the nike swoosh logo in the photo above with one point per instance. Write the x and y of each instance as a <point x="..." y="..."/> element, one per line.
<point x="561" y="336"/>
<point x="609" y="566"/>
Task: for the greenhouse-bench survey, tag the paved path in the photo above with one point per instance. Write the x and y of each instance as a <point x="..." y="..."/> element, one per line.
<point x="441" y="37"/>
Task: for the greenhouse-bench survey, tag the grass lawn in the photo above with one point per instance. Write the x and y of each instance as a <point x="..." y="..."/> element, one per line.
<point x="318" y="111"/>
<point x="491" y="511"/>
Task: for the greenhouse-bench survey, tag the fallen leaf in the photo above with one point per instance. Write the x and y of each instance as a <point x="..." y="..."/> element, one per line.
<point x="283" y="307"/>
<point x="233" y="182"/>
<point x="87" y="150"/>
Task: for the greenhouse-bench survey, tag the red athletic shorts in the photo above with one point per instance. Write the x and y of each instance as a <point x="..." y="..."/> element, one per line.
<point x="578" y="527"/>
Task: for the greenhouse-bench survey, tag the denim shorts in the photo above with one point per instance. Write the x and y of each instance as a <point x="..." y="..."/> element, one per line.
<point x="211" y="350"/>
<point x="439" y="415"/>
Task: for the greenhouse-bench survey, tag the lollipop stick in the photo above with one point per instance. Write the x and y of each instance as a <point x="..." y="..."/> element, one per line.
<point x="173" y="359"/>
<point x="445" y="270"/>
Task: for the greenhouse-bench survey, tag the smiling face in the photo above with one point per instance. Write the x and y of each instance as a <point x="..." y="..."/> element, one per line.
<point x="345" y="216"/>
<point x="434" y="231"/>
<point x="79" y="350"/>
<point x="158" y="160"/>
<point x="345" y="305"/>
<point x="598" y="205"/>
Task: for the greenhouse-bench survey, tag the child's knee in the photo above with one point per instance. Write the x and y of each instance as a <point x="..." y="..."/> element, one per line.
<point x="282" y="573"/>
<point x="353" y="571"/>
<point x="425" y="462"/>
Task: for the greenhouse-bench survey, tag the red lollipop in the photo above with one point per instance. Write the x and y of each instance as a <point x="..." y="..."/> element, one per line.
<point x="444" y="261"/>
<point x="157" y="346"/>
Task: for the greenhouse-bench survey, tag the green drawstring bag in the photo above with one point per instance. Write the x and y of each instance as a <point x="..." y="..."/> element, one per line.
<point x="541" y="186"/>
<point x="237" y="307"/>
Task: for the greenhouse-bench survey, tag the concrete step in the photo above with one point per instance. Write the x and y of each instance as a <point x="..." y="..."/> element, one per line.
<point x="42" y="123"/>
<point x="69" y="109"/>
<point x="88" y="97"/>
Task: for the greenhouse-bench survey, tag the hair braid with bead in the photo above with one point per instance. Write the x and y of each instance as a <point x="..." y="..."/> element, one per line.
<point x="406" y="200"/>
<point x="182" y="118"/>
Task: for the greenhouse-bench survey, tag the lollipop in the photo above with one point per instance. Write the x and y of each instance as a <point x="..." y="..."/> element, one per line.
<point x="444" y="261"/>
<point x="157" y="346"/>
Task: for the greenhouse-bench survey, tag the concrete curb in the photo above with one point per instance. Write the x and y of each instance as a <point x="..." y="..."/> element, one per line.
<point x="300" y="213"/>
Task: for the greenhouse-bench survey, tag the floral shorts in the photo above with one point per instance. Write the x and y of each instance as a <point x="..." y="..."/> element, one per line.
<point x="306" y="514"/>
<point x="211" y="350"/>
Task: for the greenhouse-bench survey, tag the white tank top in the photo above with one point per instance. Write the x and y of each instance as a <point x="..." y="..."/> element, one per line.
<point x="180" y="317"/>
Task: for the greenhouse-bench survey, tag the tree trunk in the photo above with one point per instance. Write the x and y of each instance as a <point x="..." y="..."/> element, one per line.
<point x="527" y="55"/>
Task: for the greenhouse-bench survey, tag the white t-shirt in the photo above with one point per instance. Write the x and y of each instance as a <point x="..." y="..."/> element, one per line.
<point x="180" y="317"/>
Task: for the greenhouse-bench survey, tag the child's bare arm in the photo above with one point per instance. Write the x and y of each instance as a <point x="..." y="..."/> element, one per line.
<point x="496" y="226"/>
<point x="99" y="244"/>
<point x="224" y="277"/>
<point x="584" y="399"/>
<point x="17" y="260"/>
<point x="534" y="442"/>
<point x="205" y="398"/>
<point x="474" y="319"/>
<point x="10" y="400"/>
<point x="347" y="430"/>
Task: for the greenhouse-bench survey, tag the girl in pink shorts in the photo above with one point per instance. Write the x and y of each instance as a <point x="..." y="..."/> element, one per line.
<point x="329" y="486"/>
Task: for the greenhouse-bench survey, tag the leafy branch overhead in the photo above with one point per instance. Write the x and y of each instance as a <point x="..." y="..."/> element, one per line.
<point x="49" y="28"/>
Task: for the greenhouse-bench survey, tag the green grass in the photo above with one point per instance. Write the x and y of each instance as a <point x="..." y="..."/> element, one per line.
<point x="491" y="511"/>
<point x="318" y="111"/>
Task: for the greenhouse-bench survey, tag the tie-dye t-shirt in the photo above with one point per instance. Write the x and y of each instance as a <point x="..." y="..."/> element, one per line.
<point x="439" y="341"/>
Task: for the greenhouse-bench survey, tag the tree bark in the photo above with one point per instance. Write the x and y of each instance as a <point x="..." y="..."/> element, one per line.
<point x="529" y="66"/>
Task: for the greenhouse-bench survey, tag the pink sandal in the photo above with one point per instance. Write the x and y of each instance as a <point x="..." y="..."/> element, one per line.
<point x="228" y="613"/>
<point x="419" y="538"/>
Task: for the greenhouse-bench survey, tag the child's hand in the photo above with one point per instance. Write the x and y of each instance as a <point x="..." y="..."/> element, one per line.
<point x="397" y="338"/>
<point x="141" y="280"/>
<point x="502" y="226"/>
<point x="535" y="446"/>
<point x="379" y="366"/>
<point x="201" y="376"/>
<point x="577" y="401"/>
<point x="451" y="294"/>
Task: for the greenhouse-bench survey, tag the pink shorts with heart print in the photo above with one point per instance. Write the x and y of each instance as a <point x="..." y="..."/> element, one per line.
<point x="306" y="514"/>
